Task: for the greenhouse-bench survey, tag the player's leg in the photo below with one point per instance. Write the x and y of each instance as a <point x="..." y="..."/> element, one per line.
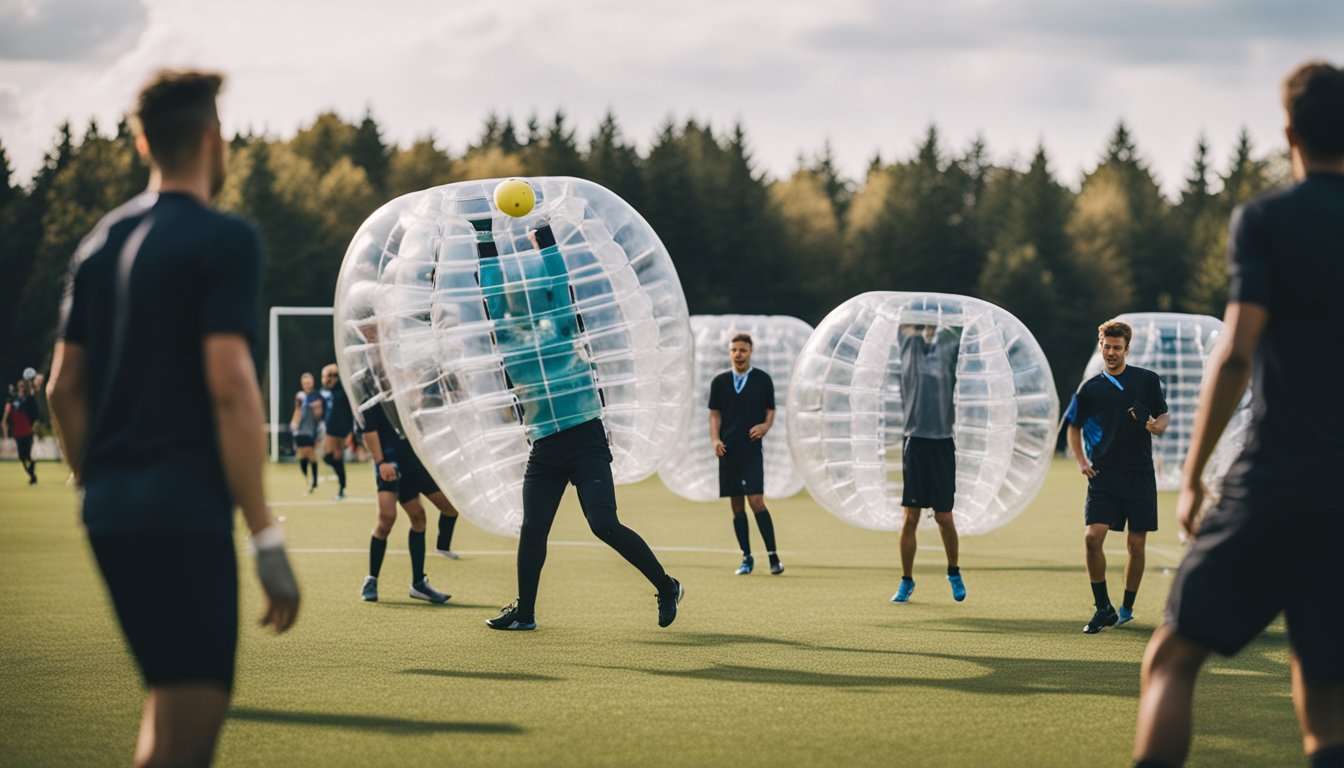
<point x="753" y="483"/>
<point x="909" y="544"/>
<point x="947" y="528"/>
<point x="25" y="446"/>
<point x="1320" y="710"/>
<point x="1094" y="541"/>
<point x="180" y="725"/>
<point x="1136" y="543"/>
<point x="742" y="529"/>
<point x="382" y="528"/>
<point x="543" y="485"/>
<point x="1167" y="688"/>
<point x="415" y="542"/>
<point x="335" y="458"/>
<point x="447" y="523"/>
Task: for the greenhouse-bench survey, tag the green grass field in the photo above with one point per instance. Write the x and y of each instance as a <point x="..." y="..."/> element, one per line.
<point x="814" y="667"/>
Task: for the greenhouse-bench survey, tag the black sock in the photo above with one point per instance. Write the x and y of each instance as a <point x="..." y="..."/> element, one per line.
<point x="1129" y="598"/>
<point x="446" y="523"/>
<point x="953" y="570"/>
<point x="1329" y="757"/>
<point x="767" y="529"/>
<point x="338" y="466"/>
<point x="377" y="548"/>
<point x="908" y="578"/>
<point x="743" y="537"/>
<point x="1152" y="762"/>
<point x="314" y="474"/>
<point x="416" y="541"/>
<point x="1099" y="596"/>
<point x="303" y="468"/>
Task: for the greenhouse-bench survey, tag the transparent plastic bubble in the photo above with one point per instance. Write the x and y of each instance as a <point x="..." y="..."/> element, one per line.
<point x="1177" y="348"/>
<point x="481" y="342"/>
<point x="692" y="471"/>
<point x="846" y="413"/>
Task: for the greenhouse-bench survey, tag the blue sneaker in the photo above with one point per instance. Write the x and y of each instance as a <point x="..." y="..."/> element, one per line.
<point x="958" y="587"/>
<point x="748" y="563"/>
<point x="903" y="592"/>
<point x="369" y="593"/>
<point x="1126" y="615"/>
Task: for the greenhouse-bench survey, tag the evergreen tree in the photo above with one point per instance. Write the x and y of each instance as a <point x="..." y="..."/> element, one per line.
<point x="613" y="163"/>
<point x="368" y="151"/>
<point x="420" y="166"/>
<point x="325" y="141"/>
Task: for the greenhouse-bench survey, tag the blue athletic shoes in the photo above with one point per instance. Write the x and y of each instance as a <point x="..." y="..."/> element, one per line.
<point x="369" y="593"/>
<point x="958" y="587"/>
<point x="748" y="563"/>
<point x="903" y="592"/>
<point x="1126" y="615"/>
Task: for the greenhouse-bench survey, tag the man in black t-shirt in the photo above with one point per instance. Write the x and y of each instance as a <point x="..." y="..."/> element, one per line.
<point x="1270" y="544"/>
<point x="400" y="477"/>
<point x="741" y="412"/>
<point x="160" y="308"/>
<point x="340" y="420"/>
<point x="1117" y="413"/>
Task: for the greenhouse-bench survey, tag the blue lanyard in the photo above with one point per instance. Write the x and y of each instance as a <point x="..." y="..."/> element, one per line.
<point x="1114" y="381"/>
<point x="739" y="382"/>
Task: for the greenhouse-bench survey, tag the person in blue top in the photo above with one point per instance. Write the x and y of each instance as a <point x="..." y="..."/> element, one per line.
<point x="741" y="413"/>
<point x="538" y="332"/>
<point x="159" y="316"/>
<point x="1113" y="418"/>
<point x="309" y="409"/>
<point x="1271" y="544"/>
<point x="340" y="420"/>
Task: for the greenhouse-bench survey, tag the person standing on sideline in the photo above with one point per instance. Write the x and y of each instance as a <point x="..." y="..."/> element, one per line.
<point x="929" y="454"/>
<point x="308" y="411"/>
<point x="340" y="420"/>
<point x="741" y="413"/>
<point x="1113" y="418"/>
<point x="538" y="331"/>
<point x="160" y="307"/>
<point x="1270" y="544"/>
<point x="18" y="422"/>
<point x="400" y="477"/>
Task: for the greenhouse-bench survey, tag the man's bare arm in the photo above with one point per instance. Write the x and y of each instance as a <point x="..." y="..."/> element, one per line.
<point x="715" y="423"/>
<point x="68" y="398"/>
<point x="1076" y="445"/>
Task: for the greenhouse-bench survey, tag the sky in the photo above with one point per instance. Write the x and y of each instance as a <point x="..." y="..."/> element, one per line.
<point x="865" y="75"/>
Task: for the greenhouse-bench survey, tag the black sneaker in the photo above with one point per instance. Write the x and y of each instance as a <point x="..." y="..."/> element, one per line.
<point x="668" y="602"/>
<point x="420" y="590"/>
<point x="510" y="619"/>
<point x="1104" y="617"/>
<point x="776" y="567"/>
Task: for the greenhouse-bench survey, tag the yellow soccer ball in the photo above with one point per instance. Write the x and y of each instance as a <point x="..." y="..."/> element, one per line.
<point x="515" y="197"/>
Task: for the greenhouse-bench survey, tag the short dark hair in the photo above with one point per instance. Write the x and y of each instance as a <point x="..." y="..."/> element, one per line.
<point x="1313" y="97"/>
<point x="173" y="111"/>
<point x="1115" y="329"/>
<point x="743" y="337"/>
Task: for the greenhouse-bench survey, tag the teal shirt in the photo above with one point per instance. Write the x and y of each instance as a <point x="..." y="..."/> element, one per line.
<point x="537" y="331"/>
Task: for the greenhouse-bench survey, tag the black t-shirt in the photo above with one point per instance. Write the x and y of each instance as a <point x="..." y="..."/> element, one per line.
<point x="339" y="418"/>
<point x="395" y="447"/>
<point x="1100" y="408"/>
<point x="1286" y="253"/>
<point x="740" y="411"/>
<point x="153" y="279"/>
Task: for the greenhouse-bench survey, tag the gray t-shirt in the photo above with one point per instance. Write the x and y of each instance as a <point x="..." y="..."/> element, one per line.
<point x="307" y="421"/>
<point x="928" y="380"/>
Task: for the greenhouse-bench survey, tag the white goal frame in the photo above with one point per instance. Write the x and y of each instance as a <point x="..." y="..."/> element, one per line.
<point x="273" y="364"/>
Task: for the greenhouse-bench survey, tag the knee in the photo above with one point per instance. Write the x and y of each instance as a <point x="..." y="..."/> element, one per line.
<point x="1136" y="545"/>
<point x="1170" y="654"/>
<point x="603" y="523"/>
<point x="945" y="521"/>
<point x="911" y="522"/>
<point x="1093" y="541"/>
<point x="757" y="504"/>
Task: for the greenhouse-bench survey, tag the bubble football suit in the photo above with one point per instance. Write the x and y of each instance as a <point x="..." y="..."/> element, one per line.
<point x="481" y="342"/>
<point x="846" y="410"/>
<point x="1177" y="347"/>
<point x="692" y="471"/>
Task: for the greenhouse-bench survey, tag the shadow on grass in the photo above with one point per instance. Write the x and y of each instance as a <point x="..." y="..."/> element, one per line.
<point x="396" y="725"/>
<point x="525" y="677"/>
<point x="423" y="605"/>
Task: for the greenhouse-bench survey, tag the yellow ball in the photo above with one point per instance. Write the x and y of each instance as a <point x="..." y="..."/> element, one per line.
<point x="515" y="197"/>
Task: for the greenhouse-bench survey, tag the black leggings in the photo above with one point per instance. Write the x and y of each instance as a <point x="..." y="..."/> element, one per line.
<point x="578" y="455"/>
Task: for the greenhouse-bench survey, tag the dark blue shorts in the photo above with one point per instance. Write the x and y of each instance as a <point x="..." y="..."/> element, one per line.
<point x="929" y="473"/>
<point x="412" y="480"/>
<point x="1117" y="496"/>
<point x="742" y="472"/>
<point x="304" y="441"/>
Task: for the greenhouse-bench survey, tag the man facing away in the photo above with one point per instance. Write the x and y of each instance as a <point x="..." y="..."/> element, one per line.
<point x="160" y="307"/>
<point x="1117" y="412"/>
<point x="741" y="413"/>
<point x="1271" y="543"/>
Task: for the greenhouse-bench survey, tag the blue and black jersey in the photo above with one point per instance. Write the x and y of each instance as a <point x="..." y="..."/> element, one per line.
<point x="740" y="410"/>
<point x="1111" y="412"/>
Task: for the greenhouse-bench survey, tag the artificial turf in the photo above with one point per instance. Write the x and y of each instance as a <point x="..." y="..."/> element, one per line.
<point x="814" y="667"/>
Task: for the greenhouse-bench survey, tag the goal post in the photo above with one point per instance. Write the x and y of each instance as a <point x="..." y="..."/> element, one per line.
<point x="273" y="365"/>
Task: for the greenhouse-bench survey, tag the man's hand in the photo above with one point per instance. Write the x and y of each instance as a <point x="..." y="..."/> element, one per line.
<point x="1188" y="506"/>
<point x="720" y="449"/>
<point x="1152" y="426"/>
<point x="387" y="471"/>
<point x="757" y="432"/>
<point x="1086" y="468"/>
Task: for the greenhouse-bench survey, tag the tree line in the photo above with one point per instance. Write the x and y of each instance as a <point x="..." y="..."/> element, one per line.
<point x="943" y="218"/>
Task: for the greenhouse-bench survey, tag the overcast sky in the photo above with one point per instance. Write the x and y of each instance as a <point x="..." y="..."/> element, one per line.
<point x="867" y="75"/>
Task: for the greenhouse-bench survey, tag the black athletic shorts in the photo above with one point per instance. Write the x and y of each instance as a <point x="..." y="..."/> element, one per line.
<point x="25" y="446"/>
<point x="340" y="426"/>
<point x="929" y="473"/>
<point x="741" y="473"/>
<point x="412" y="480"/>
<point x="304" y="441"/>
<point x="176" y="596"/>
<point x="1259" y="555"/>
<point x="1117" y="496"/>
